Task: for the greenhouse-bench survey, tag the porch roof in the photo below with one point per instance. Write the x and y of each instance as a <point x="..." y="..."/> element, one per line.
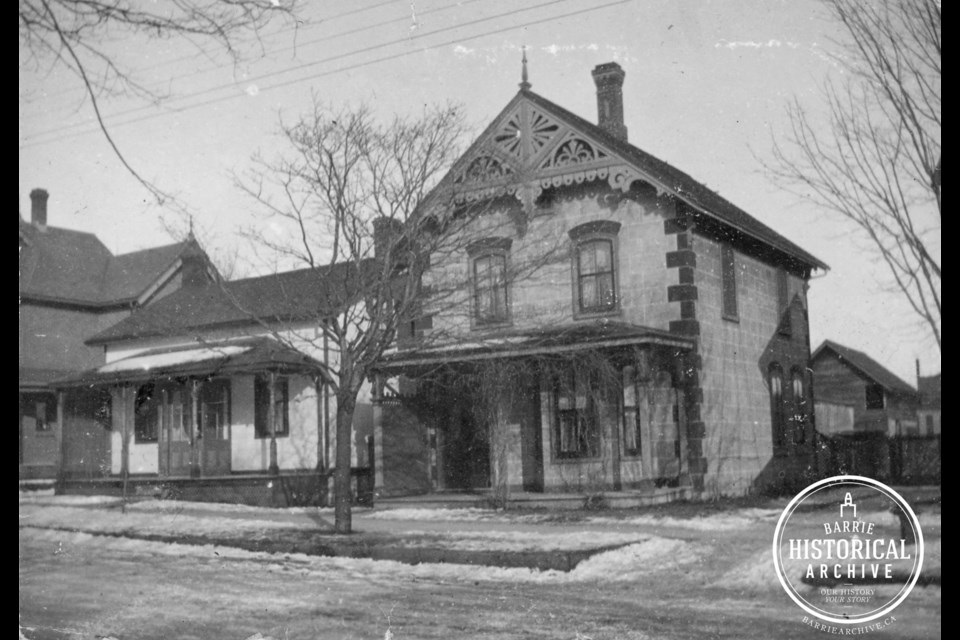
<point x="247" y="355"/>
<point x="545" y="341"/>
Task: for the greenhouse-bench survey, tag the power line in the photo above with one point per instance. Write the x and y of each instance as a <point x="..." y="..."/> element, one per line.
<point x="279" y="32"/>
<point x="332" y="71"/>
<point x="300" y="67"/>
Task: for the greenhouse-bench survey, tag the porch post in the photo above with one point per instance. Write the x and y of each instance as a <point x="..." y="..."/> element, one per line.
<point x="272" y="424"/>
<point x="163" y="436"/>
<point x="195" y="438"/>
<point x="58" y="437"/>
<point x="124" y="445"/>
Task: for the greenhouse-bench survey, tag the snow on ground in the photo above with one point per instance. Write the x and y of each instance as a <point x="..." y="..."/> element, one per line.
<point x="177" y="506"/>
<point x="469" y="514"/>
<point x="638" y="561"/>
<point x="757" y="573"/>
<point x="627" y="563"/>
<point x="518" y="540"/>
<point x="175" y="523"/>
<point x="727" y="521"/>
<point x="47" y="497"/>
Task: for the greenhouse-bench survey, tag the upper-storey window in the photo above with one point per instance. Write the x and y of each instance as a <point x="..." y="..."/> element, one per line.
<point x="488" y="263"/>
<point x="728" y="270"/>
<point x="595" y="267"/>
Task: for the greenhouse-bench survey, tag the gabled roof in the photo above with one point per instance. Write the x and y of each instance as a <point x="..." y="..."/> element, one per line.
<point x="609" y="151"/>
<point x="293" y="295"/>
<point x="74" y="267"/>
<point x="865" y="365"/>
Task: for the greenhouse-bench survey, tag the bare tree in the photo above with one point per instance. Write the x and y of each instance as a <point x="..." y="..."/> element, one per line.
<point x="76" y="35"/>
<point x="350" y="196"/>
<point x="876" y="162"/>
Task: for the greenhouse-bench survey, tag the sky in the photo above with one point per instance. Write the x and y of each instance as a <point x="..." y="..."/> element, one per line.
<point x="707" y="83"/>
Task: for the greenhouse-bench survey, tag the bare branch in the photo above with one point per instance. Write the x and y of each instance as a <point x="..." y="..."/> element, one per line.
<point x="875" y="160"/>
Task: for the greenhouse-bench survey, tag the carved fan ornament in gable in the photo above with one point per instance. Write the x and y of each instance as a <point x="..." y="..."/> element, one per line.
<point x="531" y="151"/>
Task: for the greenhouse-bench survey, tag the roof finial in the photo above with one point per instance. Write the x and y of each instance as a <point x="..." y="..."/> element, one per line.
<point x="524" y="80"/>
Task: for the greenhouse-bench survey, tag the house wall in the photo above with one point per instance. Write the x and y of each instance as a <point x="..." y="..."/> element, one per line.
<point x="51" y="337"/>
<point x="736" y="356"/>
<point x="295" y="451"/>
<point x="144" y="456"/>
<point x="87" y="438"/>
<point x="540" y="263"/>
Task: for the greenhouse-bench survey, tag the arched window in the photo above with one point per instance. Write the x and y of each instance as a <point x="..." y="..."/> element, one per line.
<point x="799" y="416"/>
<point x="595" y="267"/>
<point x="777" y="421"/>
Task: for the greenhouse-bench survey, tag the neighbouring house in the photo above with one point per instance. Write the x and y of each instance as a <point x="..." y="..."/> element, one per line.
<point x="928" y="411"/>
<point x="215" y="393"/>
<point x="868" y="396"/>
<point x="868" y="419"/>
<point x="72" y="287"/>
<point x="623" y="326"/>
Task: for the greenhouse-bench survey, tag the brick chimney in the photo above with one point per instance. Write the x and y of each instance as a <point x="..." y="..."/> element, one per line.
<point x="38" y="207"/>
<point x="609" y="80"/>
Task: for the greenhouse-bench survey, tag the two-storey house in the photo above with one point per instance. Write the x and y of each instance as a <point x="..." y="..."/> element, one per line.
<point x="622" y="326"/>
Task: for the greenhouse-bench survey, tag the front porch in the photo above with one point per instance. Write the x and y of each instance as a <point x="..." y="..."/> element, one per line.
<point x="550" y="418"/>
<point x="241" y="420"/>
<point x="282" y="489"/>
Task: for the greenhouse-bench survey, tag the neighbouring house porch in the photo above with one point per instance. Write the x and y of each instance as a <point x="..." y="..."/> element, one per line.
<point x="239" y="420"/>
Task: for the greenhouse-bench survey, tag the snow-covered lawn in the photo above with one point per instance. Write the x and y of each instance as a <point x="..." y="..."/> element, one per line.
<point x="724" y="521"/>
<point x="643" y="558"/>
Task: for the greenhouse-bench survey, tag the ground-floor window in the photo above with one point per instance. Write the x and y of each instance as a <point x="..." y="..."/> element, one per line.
<point x="631" y="413"/>
<point x="577" y="424"/>
<point x="146" y="413"/>
<point x="281" y="401"/>
<point x="214" y="409"/>
<point x="40" y="409"/>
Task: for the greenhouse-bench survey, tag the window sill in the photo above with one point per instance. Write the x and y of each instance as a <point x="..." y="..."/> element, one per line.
<point x="267" y="436"/>
<point x="734" y="319"/>
<point x="568" y="459"/>
<point x="591" y="315"/>
<point x="487" y="326"/>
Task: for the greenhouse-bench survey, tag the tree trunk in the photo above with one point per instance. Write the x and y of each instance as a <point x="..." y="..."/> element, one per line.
<point x="343" y="494"/>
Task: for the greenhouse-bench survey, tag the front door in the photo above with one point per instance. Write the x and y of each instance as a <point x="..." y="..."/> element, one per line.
<point x="176" y="432"/>
<point x="201" y="445"/>
<point x="663" y="415"/>
<point x="213" y="436"/>
<point x="464" y="449"/>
